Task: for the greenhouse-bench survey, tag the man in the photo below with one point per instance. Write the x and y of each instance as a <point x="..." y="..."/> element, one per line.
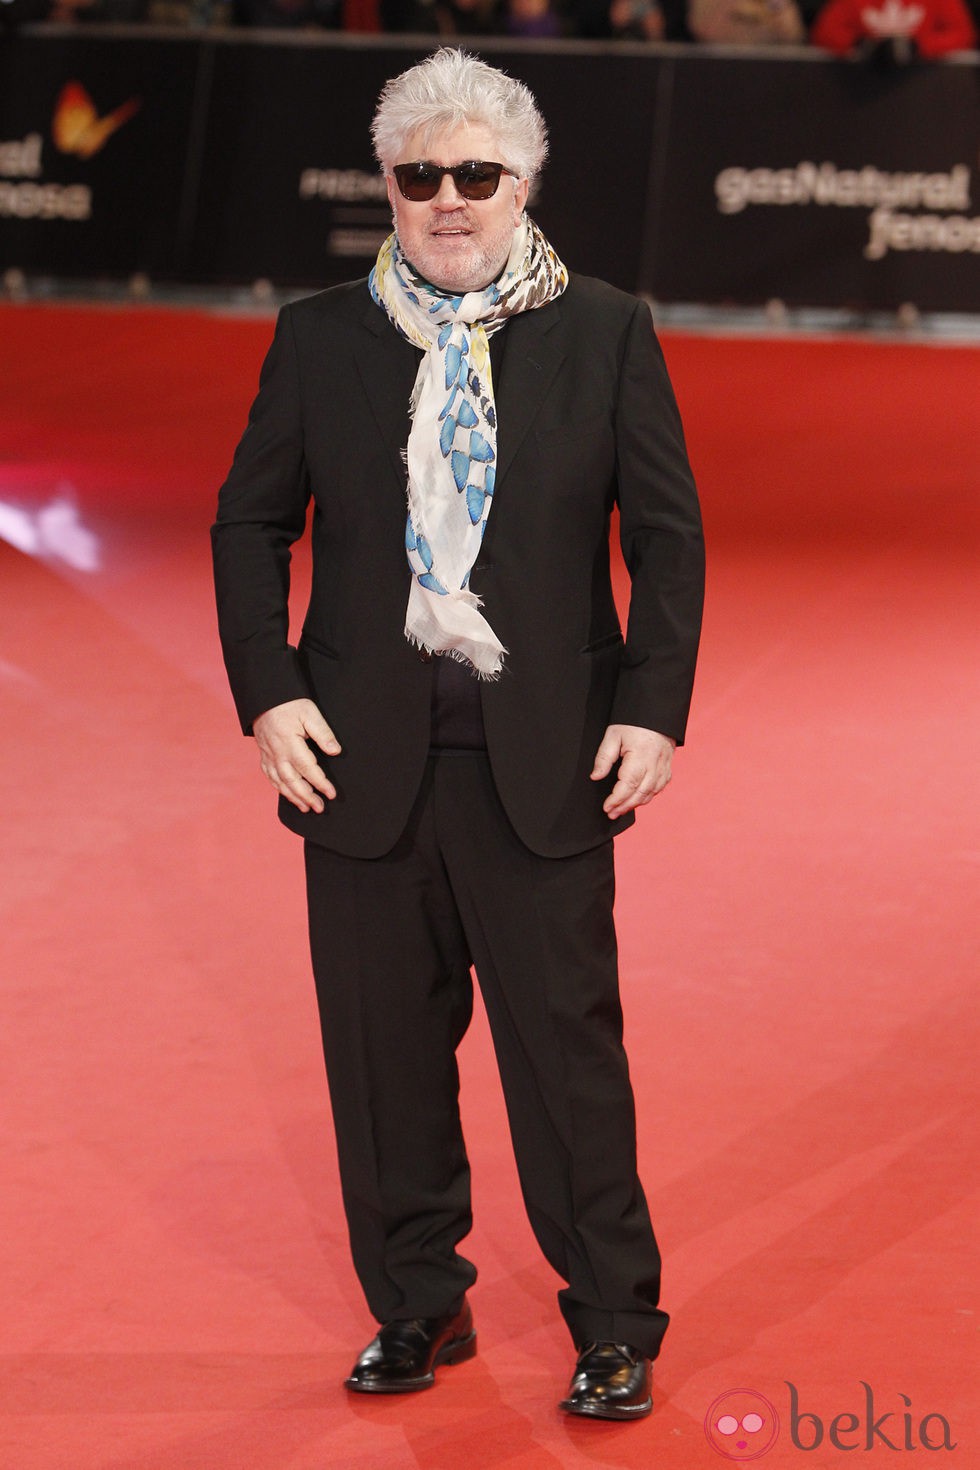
<point x="462" y="728"/>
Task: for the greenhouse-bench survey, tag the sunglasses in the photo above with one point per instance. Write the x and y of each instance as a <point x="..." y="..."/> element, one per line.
<point x="473" y="179"/>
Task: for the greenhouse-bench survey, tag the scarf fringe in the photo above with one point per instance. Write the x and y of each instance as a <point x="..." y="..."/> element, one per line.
<point x="485" y="676"/>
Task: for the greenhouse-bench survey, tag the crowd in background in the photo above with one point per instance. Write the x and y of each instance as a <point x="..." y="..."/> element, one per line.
<point x="886" y="32"/>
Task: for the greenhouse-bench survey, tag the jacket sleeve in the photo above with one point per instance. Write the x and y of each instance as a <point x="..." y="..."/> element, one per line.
<point x="661" y="537"/>
<point x="261" y="512"/>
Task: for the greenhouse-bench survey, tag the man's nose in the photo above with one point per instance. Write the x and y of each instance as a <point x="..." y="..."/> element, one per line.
<point x="448" y="197"/>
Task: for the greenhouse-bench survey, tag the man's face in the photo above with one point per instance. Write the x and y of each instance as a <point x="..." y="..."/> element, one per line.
<point x="458" y="244"/>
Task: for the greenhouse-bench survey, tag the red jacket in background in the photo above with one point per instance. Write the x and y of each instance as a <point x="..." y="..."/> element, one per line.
<point x="936" y="26"/>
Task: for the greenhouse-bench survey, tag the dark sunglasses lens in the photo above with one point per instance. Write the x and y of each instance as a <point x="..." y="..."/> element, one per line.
<point x="477" y="180"/>
<point x="418" y="180"/>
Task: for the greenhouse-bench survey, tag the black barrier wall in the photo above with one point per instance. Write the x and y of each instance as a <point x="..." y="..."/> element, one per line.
<point x="688" y="174"/>
<point x="823" y="184"/>
<point x="95" y="138"/>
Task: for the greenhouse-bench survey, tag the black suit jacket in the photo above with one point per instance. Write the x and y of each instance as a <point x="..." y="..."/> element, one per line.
<point x="586" y="419"/>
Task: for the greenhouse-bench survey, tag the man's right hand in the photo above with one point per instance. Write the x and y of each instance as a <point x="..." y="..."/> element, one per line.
<point x="281" y="734"/>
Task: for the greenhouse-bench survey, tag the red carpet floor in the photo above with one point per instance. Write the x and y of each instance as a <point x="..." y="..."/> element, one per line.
<point x="799" y="936"/>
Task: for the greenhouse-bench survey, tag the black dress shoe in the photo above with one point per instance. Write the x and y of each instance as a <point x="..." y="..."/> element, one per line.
<point x="404" y="1355"/>
<point x="611" y="1381"/>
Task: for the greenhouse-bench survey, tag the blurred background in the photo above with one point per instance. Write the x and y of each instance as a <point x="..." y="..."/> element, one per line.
<point x="731" y="165"/>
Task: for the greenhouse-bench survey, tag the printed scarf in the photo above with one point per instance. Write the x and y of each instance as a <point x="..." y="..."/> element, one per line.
<point x="452" y="446"/>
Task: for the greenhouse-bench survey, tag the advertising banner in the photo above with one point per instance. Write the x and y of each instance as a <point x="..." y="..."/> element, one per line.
<point x="821" y="183"/>
<point x="93" y="148"/>
<point x="290" y="191"/>
<point x="691" y="175"/>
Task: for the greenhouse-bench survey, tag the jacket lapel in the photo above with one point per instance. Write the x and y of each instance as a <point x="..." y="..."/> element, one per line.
<point x="534" y="350"/>
<point x="388" y="366"/>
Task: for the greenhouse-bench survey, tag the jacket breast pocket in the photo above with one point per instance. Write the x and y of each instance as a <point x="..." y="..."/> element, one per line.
<point x="595" y="428"/>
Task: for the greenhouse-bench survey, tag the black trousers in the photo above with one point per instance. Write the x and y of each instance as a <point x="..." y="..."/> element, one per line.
<point x="393" y="939"/>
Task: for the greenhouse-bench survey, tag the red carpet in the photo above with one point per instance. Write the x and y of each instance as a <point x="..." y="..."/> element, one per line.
<point x="799" y="938"/>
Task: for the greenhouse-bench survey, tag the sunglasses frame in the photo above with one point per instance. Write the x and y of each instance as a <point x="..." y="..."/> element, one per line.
<point x="454" y="170"/>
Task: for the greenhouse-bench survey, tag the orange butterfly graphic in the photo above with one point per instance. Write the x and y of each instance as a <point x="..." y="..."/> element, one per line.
<point x="76" y="126"/>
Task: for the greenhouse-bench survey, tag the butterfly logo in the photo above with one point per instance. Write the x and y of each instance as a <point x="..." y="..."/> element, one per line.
<point x="76" y="126"/>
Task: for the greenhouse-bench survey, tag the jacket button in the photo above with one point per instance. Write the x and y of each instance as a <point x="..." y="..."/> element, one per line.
<point x="425" y="655"/>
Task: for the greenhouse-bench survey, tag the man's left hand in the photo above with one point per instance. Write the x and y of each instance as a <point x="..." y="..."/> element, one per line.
<point x="644" y="766"/>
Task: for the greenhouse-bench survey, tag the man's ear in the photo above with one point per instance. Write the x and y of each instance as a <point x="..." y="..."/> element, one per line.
<point x="520" y="198"/>
<point x="391" y="186"/>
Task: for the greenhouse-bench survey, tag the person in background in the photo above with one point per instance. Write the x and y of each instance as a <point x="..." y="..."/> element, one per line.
<point x="531" y="19"/>
<point x="894" y="32"/>
<point x="287" y="14"/>
<point x="746" y="22"/>
<point x="637" y="20"/>
<point x="467" y="17"/>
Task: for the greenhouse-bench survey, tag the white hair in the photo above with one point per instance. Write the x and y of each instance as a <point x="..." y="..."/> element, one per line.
<point x="452" y="89"/>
